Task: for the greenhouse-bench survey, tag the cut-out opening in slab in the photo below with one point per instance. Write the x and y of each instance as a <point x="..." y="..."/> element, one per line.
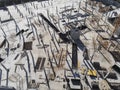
<point x="27" y="46"/>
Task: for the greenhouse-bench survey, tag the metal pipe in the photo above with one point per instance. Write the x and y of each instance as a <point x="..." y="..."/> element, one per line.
<point x="60" y="56"/>
<point x="0" y="75"/>
<point x="55" y="44"/>
<point x="70" y="68"/>
<point x="8" y="47"/>
<point x="31" y="27"/>
<point x="26" y="76"/>
<point x="53" y="54"/>
<point x="3" y="31"/>
<point x="47" y="79"/>
<point x="45" y="19"/>
<point x="28" y="60"/>
<point x="18" y="10"/>
<point x="22" y="67"/>
<point x="51" y="64"/>
<point x="7" y="73"/>
<point x="33" y="61"/>
<point x="36" y="33"/>
<point x="42" y="43"/>
<point x="49" y="30"/>
<point x="56" y="39"/>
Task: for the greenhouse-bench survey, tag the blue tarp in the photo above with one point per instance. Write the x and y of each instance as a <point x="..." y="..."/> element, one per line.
<point x="110" y="2"/>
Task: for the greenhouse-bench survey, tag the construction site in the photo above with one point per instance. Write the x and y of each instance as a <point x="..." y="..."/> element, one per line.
<point x="59" y="45"/>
